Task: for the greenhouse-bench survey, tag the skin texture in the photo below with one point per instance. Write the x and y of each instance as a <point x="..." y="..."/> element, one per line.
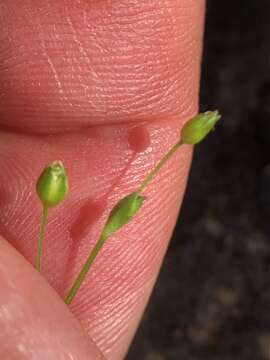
<point x="76" y="79"/>
<point x="34" y="323"/>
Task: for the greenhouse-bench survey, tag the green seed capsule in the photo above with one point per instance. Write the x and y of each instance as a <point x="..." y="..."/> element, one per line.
<point x="196" y="129"/>
<point x="122" y="213"/>
<point x="52" y="185"/>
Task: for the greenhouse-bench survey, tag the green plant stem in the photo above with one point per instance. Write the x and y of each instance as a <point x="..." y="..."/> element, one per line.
<point x="154" y="172"/>
<point x="77" y="283"/>
<point x="80" y="278"/>
<point x="41" y="237"/>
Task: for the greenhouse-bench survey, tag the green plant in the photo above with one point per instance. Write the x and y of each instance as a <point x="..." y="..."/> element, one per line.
<point x="52" y="187"/>
<point x="52" y="192"/>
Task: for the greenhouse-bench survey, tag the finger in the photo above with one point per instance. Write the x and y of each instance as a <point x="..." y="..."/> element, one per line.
<point x="119" y="96"/>
<point x="34" y="322"/>
<point x="70" y="64"/>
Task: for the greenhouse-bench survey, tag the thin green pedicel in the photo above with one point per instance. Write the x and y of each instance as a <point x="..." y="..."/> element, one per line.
<point x="41" y="237"/>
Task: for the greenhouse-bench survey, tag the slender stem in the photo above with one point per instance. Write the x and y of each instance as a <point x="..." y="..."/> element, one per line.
<point x="80" y="278"/>
<point x="77" y="283"/>
<point x="41" y="237"/>
<point x="153" y="173"/>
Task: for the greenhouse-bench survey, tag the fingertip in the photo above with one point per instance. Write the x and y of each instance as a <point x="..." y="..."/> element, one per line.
<point x="34" y="322"/>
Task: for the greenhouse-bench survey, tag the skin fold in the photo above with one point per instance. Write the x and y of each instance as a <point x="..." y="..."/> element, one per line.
<point x="103" y="86"/>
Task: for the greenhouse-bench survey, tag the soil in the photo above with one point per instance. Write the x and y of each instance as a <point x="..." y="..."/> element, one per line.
<point x="212" y="299"/>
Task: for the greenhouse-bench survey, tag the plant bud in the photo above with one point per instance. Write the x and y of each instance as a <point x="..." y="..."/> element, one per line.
<point x="52" y="185"/>
<point x="196" y="129"/>
<point x="122" y="213"/>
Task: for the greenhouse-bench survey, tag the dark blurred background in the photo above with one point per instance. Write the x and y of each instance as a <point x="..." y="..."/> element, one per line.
<point x="212" y="299"/>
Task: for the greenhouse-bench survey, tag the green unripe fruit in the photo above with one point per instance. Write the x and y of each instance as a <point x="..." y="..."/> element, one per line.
<point x="196" y="129"/>
<point x="122" y="213"/>
<point x="52" y="185"/>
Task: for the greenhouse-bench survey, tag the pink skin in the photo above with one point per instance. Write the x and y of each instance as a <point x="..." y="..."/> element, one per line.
<point x="34" y="322"/>
<point x="103" y="86"/>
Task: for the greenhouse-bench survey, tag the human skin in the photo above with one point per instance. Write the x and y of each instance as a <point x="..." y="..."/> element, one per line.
<point x="76" y="79"/>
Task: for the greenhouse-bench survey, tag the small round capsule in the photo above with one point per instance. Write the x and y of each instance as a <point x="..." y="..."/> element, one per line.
<point x="196" y="129"/>
<point x="52" y="185"/>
